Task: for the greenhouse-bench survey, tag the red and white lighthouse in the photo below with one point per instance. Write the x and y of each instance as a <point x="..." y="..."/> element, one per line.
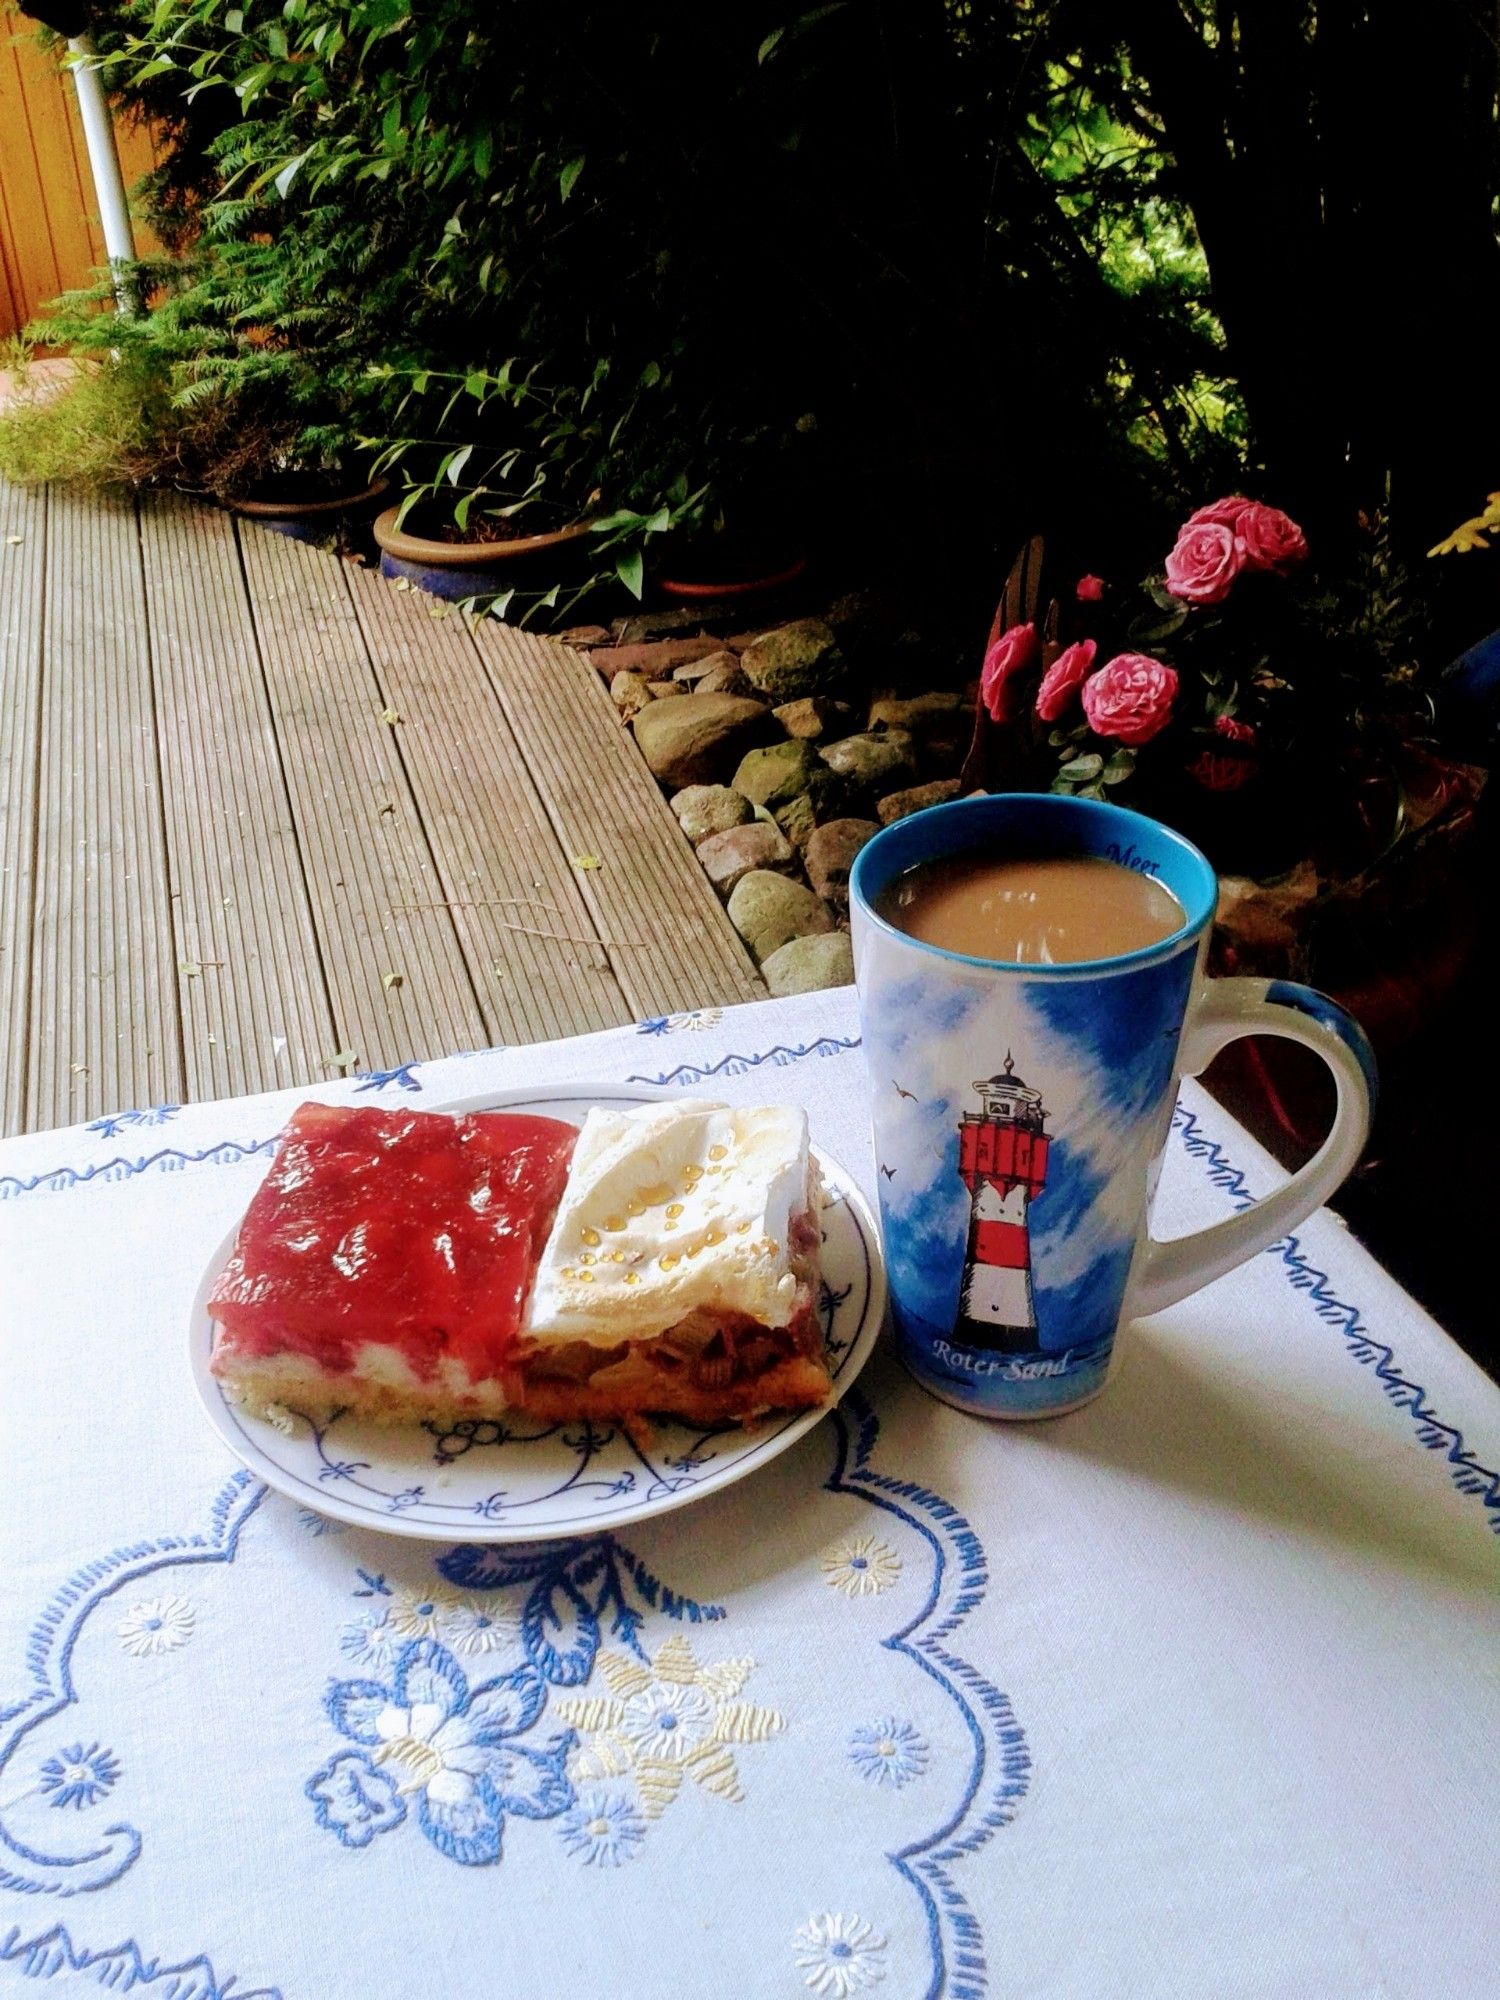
<point x="1002" y="1158"/>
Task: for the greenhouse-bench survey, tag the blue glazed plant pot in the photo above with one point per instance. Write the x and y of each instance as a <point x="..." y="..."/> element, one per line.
<point x="312" y="520"/>
<point x="456" y="570"/>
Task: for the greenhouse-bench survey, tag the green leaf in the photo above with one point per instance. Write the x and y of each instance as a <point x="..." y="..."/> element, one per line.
<point x="234" y="21"/>
<point x="457" y="463"/>
<point x="1082" y="769"/>
<point x="568" y="178"/>
<point x="768" y="47"/>
<point x="1119" y="767"/>
<point x="631" y="570"/>
<point x="484" y="149"/>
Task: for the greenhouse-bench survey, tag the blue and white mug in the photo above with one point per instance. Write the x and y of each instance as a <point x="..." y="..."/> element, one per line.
<point x="1021" y="1112"/>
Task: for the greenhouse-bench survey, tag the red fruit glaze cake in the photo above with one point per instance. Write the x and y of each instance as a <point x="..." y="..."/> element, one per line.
<point x="384" y="1261"/>
<point x="409" y="1266"/>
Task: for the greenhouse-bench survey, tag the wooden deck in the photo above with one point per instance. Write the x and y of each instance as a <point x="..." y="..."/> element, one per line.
<point x="265" y="818"/>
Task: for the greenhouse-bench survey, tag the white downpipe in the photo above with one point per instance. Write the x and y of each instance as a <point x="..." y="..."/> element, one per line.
<point x="104" y="165"/>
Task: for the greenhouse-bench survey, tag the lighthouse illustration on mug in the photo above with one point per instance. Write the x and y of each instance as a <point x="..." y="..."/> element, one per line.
<point x="1002" y="1161"/>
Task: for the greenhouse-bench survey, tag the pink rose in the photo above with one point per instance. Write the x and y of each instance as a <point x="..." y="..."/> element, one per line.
<point x="1089" y="589"/>
<point x="1270" y="539"/>
<point x="1130" y="699"/>
<point x="1010" y="656"/>
<point x="1223" y="513"/>
<point x="1204" y="563"/>
<point x="1222" y="774"/>
<point x="1237" y="732"/>
<point x="1071" y="667"/>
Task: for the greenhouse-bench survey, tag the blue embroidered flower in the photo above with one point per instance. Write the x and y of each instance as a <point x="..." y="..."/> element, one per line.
<point x="888" y="1752"/>
<point x="654" y="1024"/>
<point x="370" y="1642"/>
<point x="156" y="1114"/>
<point x="319" y="1524"/>
<point x="450" y="1748"/>
<point x="79" y="1777"/>
<point x="354" y="1800"/>
<point x="377" y="1079"/>
<point x="602" y="1830"/>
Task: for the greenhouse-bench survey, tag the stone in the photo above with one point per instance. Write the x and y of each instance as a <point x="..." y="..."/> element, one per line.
<point x="814" y="716"/>
<point x="897" y="805"/>
<point x="704" y="810"/>
<point x="922" y="715"/>
<point x="695" y="741"/>
<point x="772" y="776"/>
<point x="728" y="679"/>
<point x="661" y="689"/>
<point x="629" y="693"/>
<point x="583" y="638"/>
<point x="830" y="855"/>
<point x="795" y="660"/>
<point x="644" y="625"/>
<point x="695" y="670"/>
<point x="808" y="964"/>
<point x="769" y="910"/>
<point x="653" y="662"/>
<point x="728" y="857"/>
<point x="876" y="761"/>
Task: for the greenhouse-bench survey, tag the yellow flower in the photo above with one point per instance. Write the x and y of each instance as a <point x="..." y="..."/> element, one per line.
<point x="666" y="1720"/>
<point x="861" y="1566"/>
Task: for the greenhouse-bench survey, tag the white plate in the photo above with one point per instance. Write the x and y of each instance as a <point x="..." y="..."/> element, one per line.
<point x="521" y="1480"/>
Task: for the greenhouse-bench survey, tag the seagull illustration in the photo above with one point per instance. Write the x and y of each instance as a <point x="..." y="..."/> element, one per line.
<point x="889" y="1172"/>
<point x="903" y="1093"/>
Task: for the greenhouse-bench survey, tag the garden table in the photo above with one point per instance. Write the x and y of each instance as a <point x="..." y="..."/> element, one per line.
<point x="1190" y="1692"/>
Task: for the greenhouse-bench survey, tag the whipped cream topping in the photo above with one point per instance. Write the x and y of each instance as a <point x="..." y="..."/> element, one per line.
<point x="668" y="1208"/>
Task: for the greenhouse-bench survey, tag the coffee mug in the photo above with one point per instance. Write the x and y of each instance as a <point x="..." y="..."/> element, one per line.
<point x="1021" y="1111"/>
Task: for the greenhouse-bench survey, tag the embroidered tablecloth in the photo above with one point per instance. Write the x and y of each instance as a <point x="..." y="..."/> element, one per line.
<point x="1191" y="1692"/>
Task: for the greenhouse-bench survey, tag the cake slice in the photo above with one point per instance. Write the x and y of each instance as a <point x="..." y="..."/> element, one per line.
<point x="680" y="1275"/>
<point x="384" y="1262"/>
<point x="411" y="1266"/>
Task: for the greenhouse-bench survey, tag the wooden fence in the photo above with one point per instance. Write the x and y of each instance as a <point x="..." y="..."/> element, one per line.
<point x="49" y="231"/>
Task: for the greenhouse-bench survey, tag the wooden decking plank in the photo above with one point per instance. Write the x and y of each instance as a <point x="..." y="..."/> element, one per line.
<point x="669" y="940"/>
<point x="377" y="899"/>
<point x="23" y="540"/>
<point x="104" y="1029"/>
<point x="502" y="871"/>
<point x="255" y="1011"/>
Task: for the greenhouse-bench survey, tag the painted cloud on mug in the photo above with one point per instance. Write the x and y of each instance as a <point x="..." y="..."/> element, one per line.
<point x="1017" y="1126"/>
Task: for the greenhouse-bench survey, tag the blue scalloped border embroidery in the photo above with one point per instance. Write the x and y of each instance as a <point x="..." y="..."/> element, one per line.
<point x="49" y="1658"/>
<point x="954" y="1934"/>
<point x="121" y="1968"/>
<point x="736" y="1065"/>
<point x="1464" y="1469"/>
<point x="170" y="1160"/>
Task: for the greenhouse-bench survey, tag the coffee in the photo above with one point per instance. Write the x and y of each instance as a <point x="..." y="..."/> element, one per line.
<point x="1053" y="911"/>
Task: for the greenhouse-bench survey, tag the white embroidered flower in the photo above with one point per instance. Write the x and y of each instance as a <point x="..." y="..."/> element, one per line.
<point x="419" y="1614"/>
<point x="471" y="1626"/>
<point x="432" y="1751"/>
<point x="666" y="1721"/>
<point x="838" y="1955"/>
<point x="369" y="1641"/>
<point x="156" y="1625"/>
<point x="861" y="1566"/>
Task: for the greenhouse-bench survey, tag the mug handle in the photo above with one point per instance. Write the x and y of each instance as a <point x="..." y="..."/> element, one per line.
<point x="1225" y="1010"/>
